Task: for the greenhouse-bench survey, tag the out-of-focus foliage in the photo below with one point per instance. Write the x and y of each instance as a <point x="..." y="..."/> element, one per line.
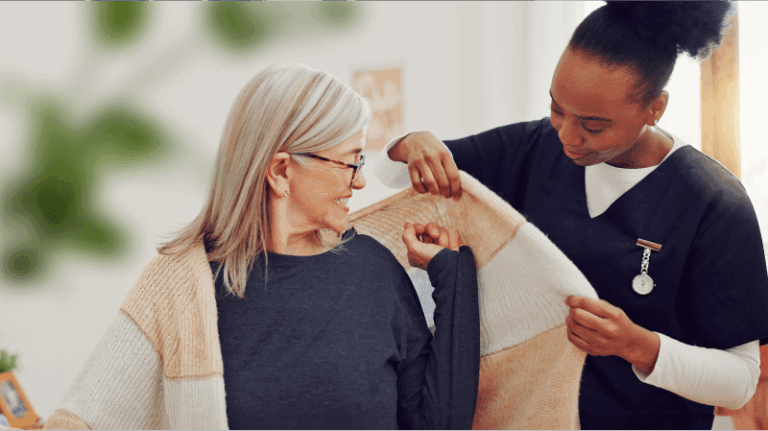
<point x="53" y="205"/>
<point x="119" y="22"/>
<point x="336" y="14"/>
<point x="240" y="28"/>
<point x="7" y="361"/>
<point x="53" y="208"/>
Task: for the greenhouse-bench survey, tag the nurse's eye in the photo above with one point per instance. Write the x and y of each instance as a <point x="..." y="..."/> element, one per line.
<point x="592" y="131"/>
<point x="555" y="111"/>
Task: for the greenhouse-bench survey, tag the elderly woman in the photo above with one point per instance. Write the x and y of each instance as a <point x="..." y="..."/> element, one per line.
<point x="316" y="326"/>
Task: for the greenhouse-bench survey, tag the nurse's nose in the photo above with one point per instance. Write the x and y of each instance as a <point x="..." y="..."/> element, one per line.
<point x="568" y="134"/>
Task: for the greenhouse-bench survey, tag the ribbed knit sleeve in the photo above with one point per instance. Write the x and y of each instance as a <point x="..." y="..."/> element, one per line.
<point x="119" y="387"/>
<point x="159" y="364"/>
<point x="439" y="381"/>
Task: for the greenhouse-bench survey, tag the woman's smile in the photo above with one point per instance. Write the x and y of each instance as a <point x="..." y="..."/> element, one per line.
<point x="343" y="203"/>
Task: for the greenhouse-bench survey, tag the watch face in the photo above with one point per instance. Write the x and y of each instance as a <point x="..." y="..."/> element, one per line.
<point x="642" y="284"/>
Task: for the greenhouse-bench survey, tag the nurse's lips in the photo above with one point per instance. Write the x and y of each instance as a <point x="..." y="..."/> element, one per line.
<point x="573" y="154"/>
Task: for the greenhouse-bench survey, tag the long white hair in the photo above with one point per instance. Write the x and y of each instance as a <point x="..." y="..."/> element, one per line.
<point x="284" y="108"/>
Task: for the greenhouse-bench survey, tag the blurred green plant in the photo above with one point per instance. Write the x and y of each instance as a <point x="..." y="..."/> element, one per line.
<point x="243" y="27"/>
<point x="336" y="14"/>
<point x="53" y="207"/>
<point x="240" y="26"/>
<point x="7" y="361"/>
<point x="54" y="204"/>
<point x="117" y="23"/>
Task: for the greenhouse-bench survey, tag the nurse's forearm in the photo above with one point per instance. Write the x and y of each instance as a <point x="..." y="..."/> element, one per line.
<point x="715" y="377"/>
<point x="644" y="350"/>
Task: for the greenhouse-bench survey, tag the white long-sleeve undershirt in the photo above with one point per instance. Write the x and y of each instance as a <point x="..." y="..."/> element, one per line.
<point x="715" y="377"/>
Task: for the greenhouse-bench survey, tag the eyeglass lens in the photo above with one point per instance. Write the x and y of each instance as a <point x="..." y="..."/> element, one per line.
<point x="356" y="173"/>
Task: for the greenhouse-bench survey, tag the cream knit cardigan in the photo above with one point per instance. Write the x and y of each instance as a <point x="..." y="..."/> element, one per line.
<point x="160" y="366"/>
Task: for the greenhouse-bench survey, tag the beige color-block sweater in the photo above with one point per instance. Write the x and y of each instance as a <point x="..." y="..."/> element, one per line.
<point x="160" y="366"/>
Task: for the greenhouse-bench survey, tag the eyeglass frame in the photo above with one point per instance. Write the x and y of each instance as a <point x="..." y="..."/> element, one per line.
<point x="356" y="168"/>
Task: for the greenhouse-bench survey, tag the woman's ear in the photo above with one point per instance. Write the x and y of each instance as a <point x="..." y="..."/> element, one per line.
<point x="278" y="173"/>
<point x="657" y="107"/>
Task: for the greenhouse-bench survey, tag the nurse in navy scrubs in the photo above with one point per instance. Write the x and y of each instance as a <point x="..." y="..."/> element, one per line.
<point x="665" y="234"/>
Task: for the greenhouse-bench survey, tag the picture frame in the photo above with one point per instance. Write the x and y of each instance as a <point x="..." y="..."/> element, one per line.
<point x="14" y="404"/>
<point x="383" y="88"/>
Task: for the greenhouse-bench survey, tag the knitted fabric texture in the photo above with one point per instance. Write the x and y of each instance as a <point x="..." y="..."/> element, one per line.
<point x="529" y="371"/>
<point x="159" y="365"/>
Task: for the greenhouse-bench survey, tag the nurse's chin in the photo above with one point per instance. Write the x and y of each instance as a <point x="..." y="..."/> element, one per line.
<point x="581" y="159"/>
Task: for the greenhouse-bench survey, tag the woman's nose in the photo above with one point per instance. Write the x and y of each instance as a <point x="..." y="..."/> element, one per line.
<point x="359" y="182"/>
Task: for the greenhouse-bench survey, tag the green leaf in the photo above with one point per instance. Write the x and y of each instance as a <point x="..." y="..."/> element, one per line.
<point x="7" y="361"/>
<point x="337" y="14"/>
<point x="237" y="26"/>
<point x="119" y="22"/>
<point x="52" y="207"/>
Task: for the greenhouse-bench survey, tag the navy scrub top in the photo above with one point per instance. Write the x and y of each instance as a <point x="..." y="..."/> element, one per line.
<point x="711" y="286"/>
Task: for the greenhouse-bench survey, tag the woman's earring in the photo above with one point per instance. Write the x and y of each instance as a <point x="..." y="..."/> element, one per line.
<point x="287" y="193"/>
<point x="655" y="122"/>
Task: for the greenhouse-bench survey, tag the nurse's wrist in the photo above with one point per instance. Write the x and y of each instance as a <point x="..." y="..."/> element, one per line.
<point x="398" y="152"/>
<point x="644" y="351"/>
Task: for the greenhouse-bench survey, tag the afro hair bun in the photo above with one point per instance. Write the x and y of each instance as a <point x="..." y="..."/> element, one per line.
<point x="694" y="27"/>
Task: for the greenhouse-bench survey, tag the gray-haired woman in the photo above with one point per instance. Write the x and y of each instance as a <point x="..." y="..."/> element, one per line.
<point x="329" y="334"/>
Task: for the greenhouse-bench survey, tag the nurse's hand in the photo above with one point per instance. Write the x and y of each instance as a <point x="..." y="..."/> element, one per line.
<point x="600" y="329"/>
<point x="424" y="242"/>
<point x="430" y="164"/>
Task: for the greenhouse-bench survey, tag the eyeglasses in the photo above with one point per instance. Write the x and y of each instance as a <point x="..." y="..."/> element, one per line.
<point x="356" y="168"/>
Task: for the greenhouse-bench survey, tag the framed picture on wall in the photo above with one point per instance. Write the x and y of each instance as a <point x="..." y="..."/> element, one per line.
<point x="383" y="87"/>
<point x="14" y="404"/>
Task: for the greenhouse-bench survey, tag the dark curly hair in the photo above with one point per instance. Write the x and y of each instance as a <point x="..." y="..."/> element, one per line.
<point x="648" y="36"/>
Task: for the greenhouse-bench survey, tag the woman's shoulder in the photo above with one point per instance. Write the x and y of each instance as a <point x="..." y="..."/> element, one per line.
<point x="369" y="245"/>
<point x="367" y="251"/>
<point x="170" y="282"/>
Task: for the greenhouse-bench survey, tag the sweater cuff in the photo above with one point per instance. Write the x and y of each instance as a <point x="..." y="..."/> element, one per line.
<point x="392" y="174"/>
<point x="445" y="261"/>
<point x="394" y="141"/>
<point x="389" y="172"/>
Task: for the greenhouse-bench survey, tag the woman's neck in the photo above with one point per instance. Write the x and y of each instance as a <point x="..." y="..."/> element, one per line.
<point x="286" y="238"/>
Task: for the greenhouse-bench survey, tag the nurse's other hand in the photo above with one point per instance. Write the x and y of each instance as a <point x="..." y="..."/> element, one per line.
<point x="601" y="329"/>
<point x="430" y="164"/>
<point x="424" y="242"/>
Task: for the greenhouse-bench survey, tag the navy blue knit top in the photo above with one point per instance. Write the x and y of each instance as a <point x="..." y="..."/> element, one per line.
<point x="339" y="340"/>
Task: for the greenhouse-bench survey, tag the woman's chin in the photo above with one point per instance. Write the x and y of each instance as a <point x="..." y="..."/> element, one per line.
<point x="338" y="225"/>
<point x="338" y="219"/>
